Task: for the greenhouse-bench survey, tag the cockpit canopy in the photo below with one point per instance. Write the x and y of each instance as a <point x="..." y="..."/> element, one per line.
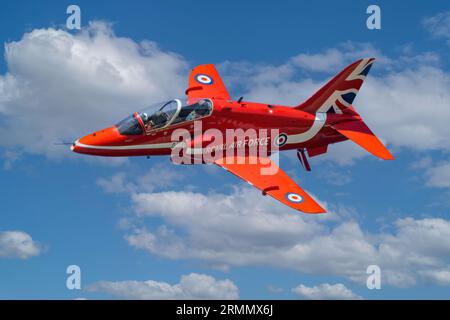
<point x="164" y="114"/>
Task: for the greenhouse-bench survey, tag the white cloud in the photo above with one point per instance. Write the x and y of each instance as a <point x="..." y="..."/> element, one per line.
<point x="332" y="176"/>
<point x="18" y="244"/>
<point x="438" y="25"/>
<point x="439" y="276"/>
<point x="191" y="286"/>
<point x="408" y="108"/>
<point x="10" y="158"/>
<point x="335" y="58"/>
<point x="274" y="289"/>
<point x="159" y="176"/>
<point x="326" y="291"/>
<point x="330" y="59"/>
<point x="241" y="229"/>
<point x="60" y="86"/>
<point x="438" y="175"/>
<point x="117" y="183"/>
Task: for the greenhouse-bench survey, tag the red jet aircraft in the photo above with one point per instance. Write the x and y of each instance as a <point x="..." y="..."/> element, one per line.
<point x="326" y="117"/>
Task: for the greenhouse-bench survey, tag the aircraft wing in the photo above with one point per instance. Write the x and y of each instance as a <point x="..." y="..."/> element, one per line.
<point x="205" y="82"/>
<point x="278" y="184"/>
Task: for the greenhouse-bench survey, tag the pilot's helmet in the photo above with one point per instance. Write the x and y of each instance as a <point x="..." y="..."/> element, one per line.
<point x="144" y="117"/>
<point x="204" y="103"/>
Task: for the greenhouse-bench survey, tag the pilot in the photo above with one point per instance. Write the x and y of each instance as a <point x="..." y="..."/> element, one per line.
<point x="159" y="119"/>
<point x="202" y="109"/>
<point x="192" y="115"/>
<point x="144" y="117"/>
<point x="146" y="120"/>
<point x="204" y="104"/>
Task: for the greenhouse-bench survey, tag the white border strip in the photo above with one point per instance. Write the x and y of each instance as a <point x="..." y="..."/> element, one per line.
<point x="131" y="147"/>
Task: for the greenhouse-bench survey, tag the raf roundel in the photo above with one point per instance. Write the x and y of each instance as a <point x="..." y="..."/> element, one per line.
<point x="204" y="79"/>
<point x="280" y="140"/>
<point x="294" y="197"/>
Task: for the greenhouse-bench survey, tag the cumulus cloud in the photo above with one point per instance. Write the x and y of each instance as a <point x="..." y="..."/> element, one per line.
<point x="439" y="276"/>
<point x="191" y="286"/>
<point x="438" y="175"/>
<point x="241" y="229"/>
<point x="18" y="244"/>
<point x="438" y="25"/>
<point x="274" y="289"/>
<point x="329" y="174"/>
<point x="402" y="107"/>
<point x="60" y="86"/>
<point x="326" y="291"/>
<point x="117" y="183"/>
<point x="158" y="176"/>
<point x="333" y="58"/>
<point x="10" y="157"/>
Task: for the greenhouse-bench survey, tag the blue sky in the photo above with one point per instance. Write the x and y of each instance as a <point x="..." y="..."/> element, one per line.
<point x="136" y="220"/>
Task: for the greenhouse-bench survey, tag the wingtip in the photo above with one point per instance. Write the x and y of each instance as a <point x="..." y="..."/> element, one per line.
<point x="312" y="208"/>
<point x="321" y="211"/>
<point x="388" y="156"/>
<point x="380" y="151"/>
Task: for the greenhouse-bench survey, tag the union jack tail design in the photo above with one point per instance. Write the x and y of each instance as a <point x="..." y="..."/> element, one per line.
<point x="340" y="91"/>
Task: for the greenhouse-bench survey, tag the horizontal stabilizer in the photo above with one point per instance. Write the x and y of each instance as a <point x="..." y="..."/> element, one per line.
<point x="359" y="133"/>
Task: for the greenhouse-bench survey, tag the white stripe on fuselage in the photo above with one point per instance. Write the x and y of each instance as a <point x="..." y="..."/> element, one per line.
<point x="319" y="122"/>
<point x="130" y="147"/>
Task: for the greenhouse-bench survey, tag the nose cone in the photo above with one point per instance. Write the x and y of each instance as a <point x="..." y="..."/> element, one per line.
<point x="98" y="142"/>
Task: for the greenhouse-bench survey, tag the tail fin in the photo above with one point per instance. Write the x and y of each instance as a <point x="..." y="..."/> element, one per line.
<point x="337" y="97"/>
<point x="340" y="91"/>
